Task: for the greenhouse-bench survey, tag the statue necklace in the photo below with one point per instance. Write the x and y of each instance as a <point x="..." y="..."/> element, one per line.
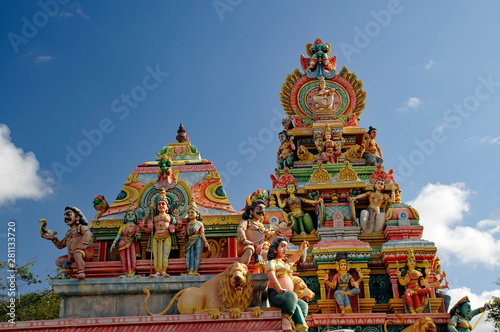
<point x="259" y="224"/>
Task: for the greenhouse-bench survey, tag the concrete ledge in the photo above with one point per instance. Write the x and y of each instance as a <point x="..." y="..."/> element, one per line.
<point x="124" y="296"/>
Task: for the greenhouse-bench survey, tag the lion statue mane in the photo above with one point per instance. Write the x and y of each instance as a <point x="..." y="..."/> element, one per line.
<point x="231" y="290"/>
<point x="424" y="324"/>
<point x="305" y="155"/>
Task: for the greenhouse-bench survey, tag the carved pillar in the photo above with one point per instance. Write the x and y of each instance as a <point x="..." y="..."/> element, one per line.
<point x="394" y="282"/>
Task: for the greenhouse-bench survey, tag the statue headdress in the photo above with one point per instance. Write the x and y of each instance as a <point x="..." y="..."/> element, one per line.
<point x="163" y="196"/>
<point x="410" y="254"/>
<point x="192" y="205"/>
<point x="458" y="305"/>
<point x="327" y="129"/>
<point x="130" y="207"/>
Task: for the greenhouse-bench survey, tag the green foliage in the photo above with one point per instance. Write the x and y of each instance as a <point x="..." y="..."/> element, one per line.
<point x="38" y="305"/>
<point x="494" y="313"/>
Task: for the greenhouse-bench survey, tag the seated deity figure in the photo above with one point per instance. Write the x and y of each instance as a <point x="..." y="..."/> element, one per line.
<point x="371" y="219"/>
<point x="78" y="240"/>
<point x="285" y="154"/>
<point x="162" y="238"/>
<point x="330" y="150"/>
<point x="128" y="242"/>
<point x="302" y="221"/>
<point x="461" y="315"/>
<point x="373" y="153"/>
<point x="324" y="97"/>
<point x="417" y="289"/>
<point x="253" y="235"/>
<point x="343" y="283"/>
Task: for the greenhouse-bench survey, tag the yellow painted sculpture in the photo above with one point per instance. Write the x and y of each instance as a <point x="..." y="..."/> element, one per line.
<point x="163" y="237"/>
<point x="424" y="324"/>
<point x="302" y="222"/>
<point x="371" y="219"/>
<point x="231" y="290"/>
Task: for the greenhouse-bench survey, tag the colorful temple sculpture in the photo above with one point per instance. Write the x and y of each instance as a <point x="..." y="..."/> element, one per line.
<point x="330" y="246"/>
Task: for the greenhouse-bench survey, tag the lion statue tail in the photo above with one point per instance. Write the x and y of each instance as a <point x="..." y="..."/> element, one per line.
<point x="148" y="294"/>
<point x="401" y="320"/>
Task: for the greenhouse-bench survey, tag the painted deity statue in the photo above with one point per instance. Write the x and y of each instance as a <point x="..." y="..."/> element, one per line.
<point x="417" y="289"/>
<point x="78" y="240"/>
<point x="284" y="156"/>
<point x="344" y="284"/>
<point x="253" y="234"/>
<point x="162" y="238"/>
<point x="302" y="221"/>
<point x="195" y="239"/>
<point x="324" y="97"/>
<point x="127" y="240"/>
<point x="280" y="291"/>
<point x="371" y="219"/>
<point x="461" y="315"/>
<point x="330" y="151"/>
<point x="373" y="153"/>
<point x="439" y="277"/>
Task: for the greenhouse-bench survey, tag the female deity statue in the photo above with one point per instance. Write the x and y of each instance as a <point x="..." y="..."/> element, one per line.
<point x="162" y="237"/>
<point x="281" y="292"/>
<point x="302" y="221"/>
<point x="128" y="241"/>
<point x="372" y="154"/>
<point x="344" y="283"/>
<point x="284" y="156"/>
<point x="330" y="150"/>
<point x="324" y="97"/>
<point x="417" y="290"/>
<point x="371" y="219"/>
<point x="461" y="315"/>
<point x="195" y="234"/>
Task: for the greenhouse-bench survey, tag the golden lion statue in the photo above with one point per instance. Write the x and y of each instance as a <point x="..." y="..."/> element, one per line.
<point x="424" y="324"/>
<point x="231" y="290"/>
<point x="300" y="288"/>
<point x="305" y="156"/>
<point x="355" y="153"/>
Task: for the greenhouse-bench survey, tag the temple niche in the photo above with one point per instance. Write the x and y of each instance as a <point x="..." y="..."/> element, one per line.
<point x="357" y="248"/>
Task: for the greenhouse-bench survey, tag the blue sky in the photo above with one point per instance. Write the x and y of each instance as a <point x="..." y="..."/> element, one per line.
<point x="430" y="70"/>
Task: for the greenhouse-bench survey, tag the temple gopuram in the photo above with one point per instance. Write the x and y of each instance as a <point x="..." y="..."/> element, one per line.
<point x="329" y="245"/>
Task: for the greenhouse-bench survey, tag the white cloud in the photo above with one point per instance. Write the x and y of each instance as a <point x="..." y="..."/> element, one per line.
<point x="44" y="58"/>
<point x="487" y="139"/>
<point x="19" y="172"/>
<point x="476" y="301"/>
<point x="442" y="209"/>
<point x="429" y="65"/>
<point x="492" y="225"/>
<point x="413" y="102"/>
<point x="78" y="8"/>
<point x="65" y="15"/>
